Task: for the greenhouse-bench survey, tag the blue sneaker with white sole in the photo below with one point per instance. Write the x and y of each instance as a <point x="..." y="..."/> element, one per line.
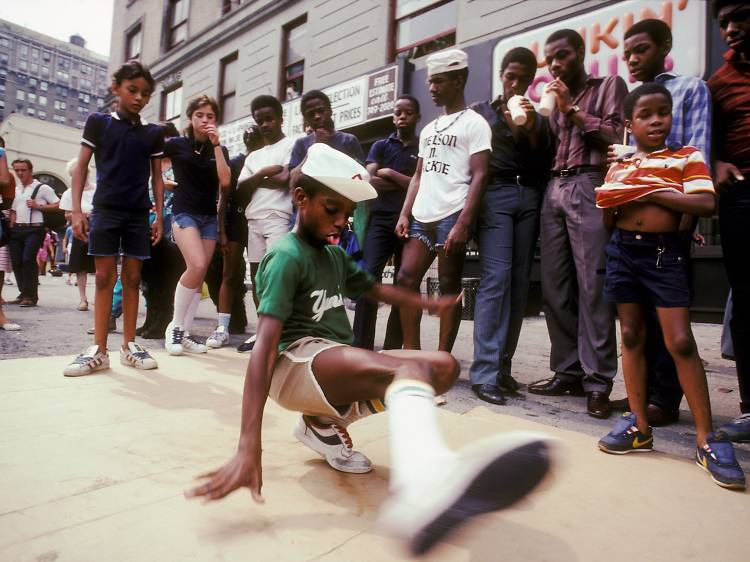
<point x="718" y="459"/>
<point x="738" y="430"/>
<point x="625" y="437"/>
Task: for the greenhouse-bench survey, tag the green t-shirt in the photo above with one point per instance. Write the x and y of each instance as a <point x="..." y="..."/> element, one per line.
<point x="305" y="286"/>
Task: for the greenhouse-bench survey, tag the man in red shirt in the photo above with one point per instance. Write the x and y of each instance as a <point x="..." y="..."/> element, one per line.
<point x="730" y="91"/>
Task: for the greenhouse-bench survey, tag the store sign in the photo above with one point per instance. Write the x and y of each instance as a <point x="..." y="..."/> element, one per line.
<point x="603" y="31"/>
<point x="353" y="102"/>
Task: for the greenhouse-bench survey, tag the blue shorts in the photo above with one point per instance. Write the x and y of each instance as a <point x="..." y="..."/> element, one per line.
<point x="433" y="233"/>
<point x="648" y="268"/>
<point x="115" y="232"/>
<point x="207" y="225"/>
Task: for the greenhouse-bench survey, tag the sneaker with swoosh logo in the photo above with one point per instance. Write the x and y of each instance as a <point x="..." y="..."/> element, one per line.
<point x="333" y="443"/>
<point x="718" y="459"/>
<point x="625" y="437"/>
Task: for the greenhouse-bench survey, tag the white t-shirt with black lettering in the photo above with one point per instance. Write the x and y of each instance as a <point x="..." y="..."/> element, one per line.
<point x="445" y="150"/>
<point x="269" y="200"/>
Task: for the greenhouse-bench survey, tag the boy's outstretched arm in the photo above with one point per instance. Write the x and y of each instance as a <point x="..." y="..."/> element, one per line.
<point x="244" y="469"/>
<point x="391" y="294"/>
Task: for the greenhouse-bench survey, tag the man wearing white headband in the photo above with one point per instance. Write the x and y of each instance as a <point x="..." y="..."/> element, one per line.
<point x="303" y="359"/>
<point x="444" y="194"/>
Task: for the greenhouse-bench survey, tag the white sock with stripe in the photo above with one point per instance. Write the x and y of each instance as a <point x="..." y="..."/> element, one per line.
<point x="192" y="309"/>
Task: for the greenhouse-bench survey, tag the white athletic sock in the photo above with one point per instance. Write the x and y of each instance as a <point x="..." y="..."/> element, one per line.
<point x="183" y="298"/>
<point x="192" y="309"/>
<point x="416" y="441"/>
<point x="224" y="320"/>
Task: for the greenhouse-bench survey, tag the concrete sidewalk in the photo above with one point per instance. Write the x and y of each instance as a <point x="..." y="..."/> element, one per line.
<point x="94" y="469"/>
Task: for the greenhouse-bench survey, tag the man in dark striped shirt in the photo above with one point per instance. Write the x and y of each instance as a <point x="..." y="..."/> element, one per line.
<point x="587" y="118"/>
<point x="730" y="90"/>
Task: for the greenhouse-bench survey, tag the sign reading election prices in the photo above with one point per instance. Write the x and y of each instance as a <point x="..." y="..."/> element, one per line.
<point x="603" y="31"/>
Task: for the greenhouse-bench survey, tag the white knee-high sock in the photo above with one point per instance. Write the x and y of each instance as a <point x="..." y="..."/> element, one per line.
<point x="416" y="441"/>
<point x="183" y="298"/>
<point x="192" y="309"/>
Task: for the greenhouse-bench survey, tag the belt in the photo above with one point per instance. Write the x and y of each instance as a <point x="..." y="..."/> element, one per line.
<point x="29" y="224"/>
<point x="575" y="170"/>
<point x="519" y="180"/>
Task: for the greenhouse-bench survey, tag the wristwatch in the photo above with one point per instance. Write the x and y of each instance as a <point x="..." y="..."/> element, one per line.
<point x="573" y="110"/>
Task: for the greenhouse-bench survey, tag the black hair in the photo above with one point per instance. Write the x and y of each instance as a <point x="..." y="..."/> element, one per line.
<point x="521" y="55"/>
<point x="313" y="95"/>
<point x="197" y="102"/>
<point x="412" y="99"/>
<point x="643" y="90"/>
<point x="718" y="5"/>
<point x="657" y="30"/>
<point x="2" y="142"/>
<point x="266" y="101"/>
<point x="132" y="70"/>
<point x="573" y="37"/>
<point x="23" y="161"/>
<point x="170" y="130"/>
<point x="460" y="73"/>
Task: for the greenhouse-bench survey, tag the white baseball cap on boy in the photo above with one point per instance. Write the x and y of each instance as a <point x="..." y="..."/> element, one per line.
<point x="446" y="61"/>
<point x="336" y="170"/>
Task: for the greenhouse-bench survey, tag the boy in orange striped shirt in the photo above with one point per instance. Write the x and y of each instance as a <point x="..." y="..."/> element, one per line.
<point x="644" y="197"/>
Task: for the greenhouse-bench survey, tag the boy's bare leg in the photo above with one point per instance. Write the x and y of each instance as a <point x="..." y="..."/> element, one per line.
<point x="678" y="337"/>
<point x="415" y="261"/>
<point x="229" y="276"/>
<point x="633" y="333"/>
<point x="81" y="279"/>
<point x="350" y="374"/>
<point x="450" y="268"/>
<point x="106" y="277"/>
<point x="130" y="277"/>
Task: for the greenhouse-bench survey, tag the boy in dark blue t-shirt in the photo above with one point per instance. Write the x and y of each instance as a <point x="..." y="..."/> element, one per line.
<point x="127" y="152"/>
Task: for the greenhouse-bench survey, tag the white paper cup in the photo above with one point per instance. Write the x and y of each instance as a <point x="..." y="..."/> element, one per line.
<point x="517" y="113"/>
<point x="547" y="103"/>
<point x="622" y="150"/>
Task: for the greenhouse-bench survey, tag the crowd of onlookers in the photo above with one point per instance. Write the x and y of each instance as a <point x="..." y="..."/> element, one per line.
<point x="615" y="220"/>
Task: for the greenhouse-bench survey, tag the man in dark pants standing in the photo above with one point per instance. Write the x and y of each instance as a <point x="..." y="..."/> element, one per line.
<point x="587" y="119"/>
<point x="27" y="229"/>
<point x="391" y="163"/>
<point x="730" y="90"/>
<point x="508" y="226"/>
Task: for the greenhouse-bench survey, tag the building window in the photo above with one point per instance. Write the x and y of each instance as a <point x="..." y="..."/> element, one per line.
<point x="2" y="104"/>
<point x="228" y="88"/>
<point x="295" y="45"/>
<point x="23" y="51"/>
<point x="4" y="59"/>
<point x="20" y="95"/>
<point x="45" y="71"/>
<point x="42" y="100"/>
<point x="47" y="56"/>
<point x="63" y="77"/>
<point x="22" y="65"/>
<point x="177" y="19"/>
<point x="5" y="42"/>
<point x="171" y="104"/>
<point x="423" y="26"/>
<point x="30" y="112"/>
<point x="31" y="97"/>
<point x="41" y="114"/>
<point x="229" y="5"/>
<point x="32" y="82"/>
<point x="35" y="53"/>
<point x="63" y="62"/>
<point x="43" y="86"/>
<point x="60" y="105"/>
<point x="59" y="119"/>
<point x="133" y="41"/>
<point x="85" y="69"/>
<point x="34" y="68"/>
<point x="85" y="98"/>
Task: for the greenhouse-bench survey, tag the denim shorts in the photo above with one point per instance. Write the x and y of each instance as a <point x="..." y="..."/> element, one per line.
<point x="114" y="232"/>
<point x="433" y="233"/>
<point x="648" y="268"/>
<point x="207" y="225"/>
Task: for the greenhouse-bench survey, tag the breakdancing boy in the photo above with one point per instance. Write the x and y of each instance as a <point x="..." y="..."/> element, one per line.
<point x="303" y="360"/>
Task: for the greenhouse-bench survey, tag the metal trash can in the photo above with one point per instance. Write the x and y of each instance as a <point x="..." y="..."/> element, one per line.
<point x="469" y="285"/>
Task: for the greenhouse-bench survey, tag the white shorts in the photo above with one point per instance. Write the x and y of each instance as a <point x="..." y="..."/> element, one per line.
<point x="263" y="233"/>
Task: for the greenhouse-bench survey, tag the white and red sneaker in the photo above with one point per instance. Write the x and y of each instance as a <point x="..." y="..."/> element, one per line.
<point x="87" y="362"/>
<point x="333" y="443"/>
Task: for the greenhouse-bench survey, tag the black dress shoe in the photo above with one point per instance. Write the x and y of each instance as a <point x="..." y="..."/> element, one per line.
<point x="507" y="383"/>
<point x="620" y="405"/>
<point x="556" y="387"/>
<point x="489" y="393"/>
<point x="659" y="417"/>
<point x="597" y="405"/>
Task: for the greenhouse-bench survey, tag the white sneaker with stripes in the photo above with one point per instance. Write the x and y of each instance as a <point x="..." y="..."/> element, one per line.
<point x="137" y="356"/>
<point x="190" y="344"/>
<point x="87" y="362"/>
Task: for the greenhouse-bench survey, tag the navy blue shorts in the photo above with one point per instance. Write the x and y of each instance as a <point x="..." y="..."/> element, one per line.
<point x="114" y="232"/>
<point x="433" y="234"/>
<point x="647" y="268"/>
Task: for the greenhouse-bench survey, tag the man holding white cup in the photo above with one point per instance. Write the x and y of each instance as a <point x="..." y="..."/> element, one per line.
<point x="587" y="119"/>
<point x="508" y="224"/>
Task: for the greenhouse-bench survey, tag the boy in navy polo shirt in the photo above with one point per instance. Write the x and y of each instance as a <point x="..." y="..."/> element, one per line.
<point x="127" y="152"/>
<point x="391" y="163"/>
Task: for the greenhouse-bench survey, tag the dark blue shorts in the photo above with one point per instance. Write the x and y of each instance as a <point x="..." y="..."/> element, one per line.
<point x="647" y="268"/>
<point x="114" y="232"/>
<point x="433" y="234"/>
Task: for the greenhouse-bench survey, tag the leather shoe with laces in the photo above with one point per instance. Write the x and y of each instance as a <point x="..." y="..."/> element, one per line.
<point x="489" y="393"/>
<point x="597" y="404"/>
<point x="555" y="386"/>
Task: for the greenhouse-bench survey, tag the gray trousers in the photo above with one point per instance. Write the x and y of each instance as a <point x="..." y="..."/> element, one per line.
<point x="581" y="323"/>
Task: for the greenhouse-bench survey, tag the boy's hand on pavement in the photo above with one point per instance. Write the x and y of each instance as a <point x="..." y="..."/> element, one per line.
<point x="243" y="470"/>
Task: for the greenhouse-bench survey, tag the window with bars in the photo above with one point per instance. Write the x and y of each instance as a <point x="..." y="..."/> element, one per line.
<point x="421" y="27"/>
<point x="228" y="89"/>
<point x="177" y="22"/>
<point x="296" y="44"/>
